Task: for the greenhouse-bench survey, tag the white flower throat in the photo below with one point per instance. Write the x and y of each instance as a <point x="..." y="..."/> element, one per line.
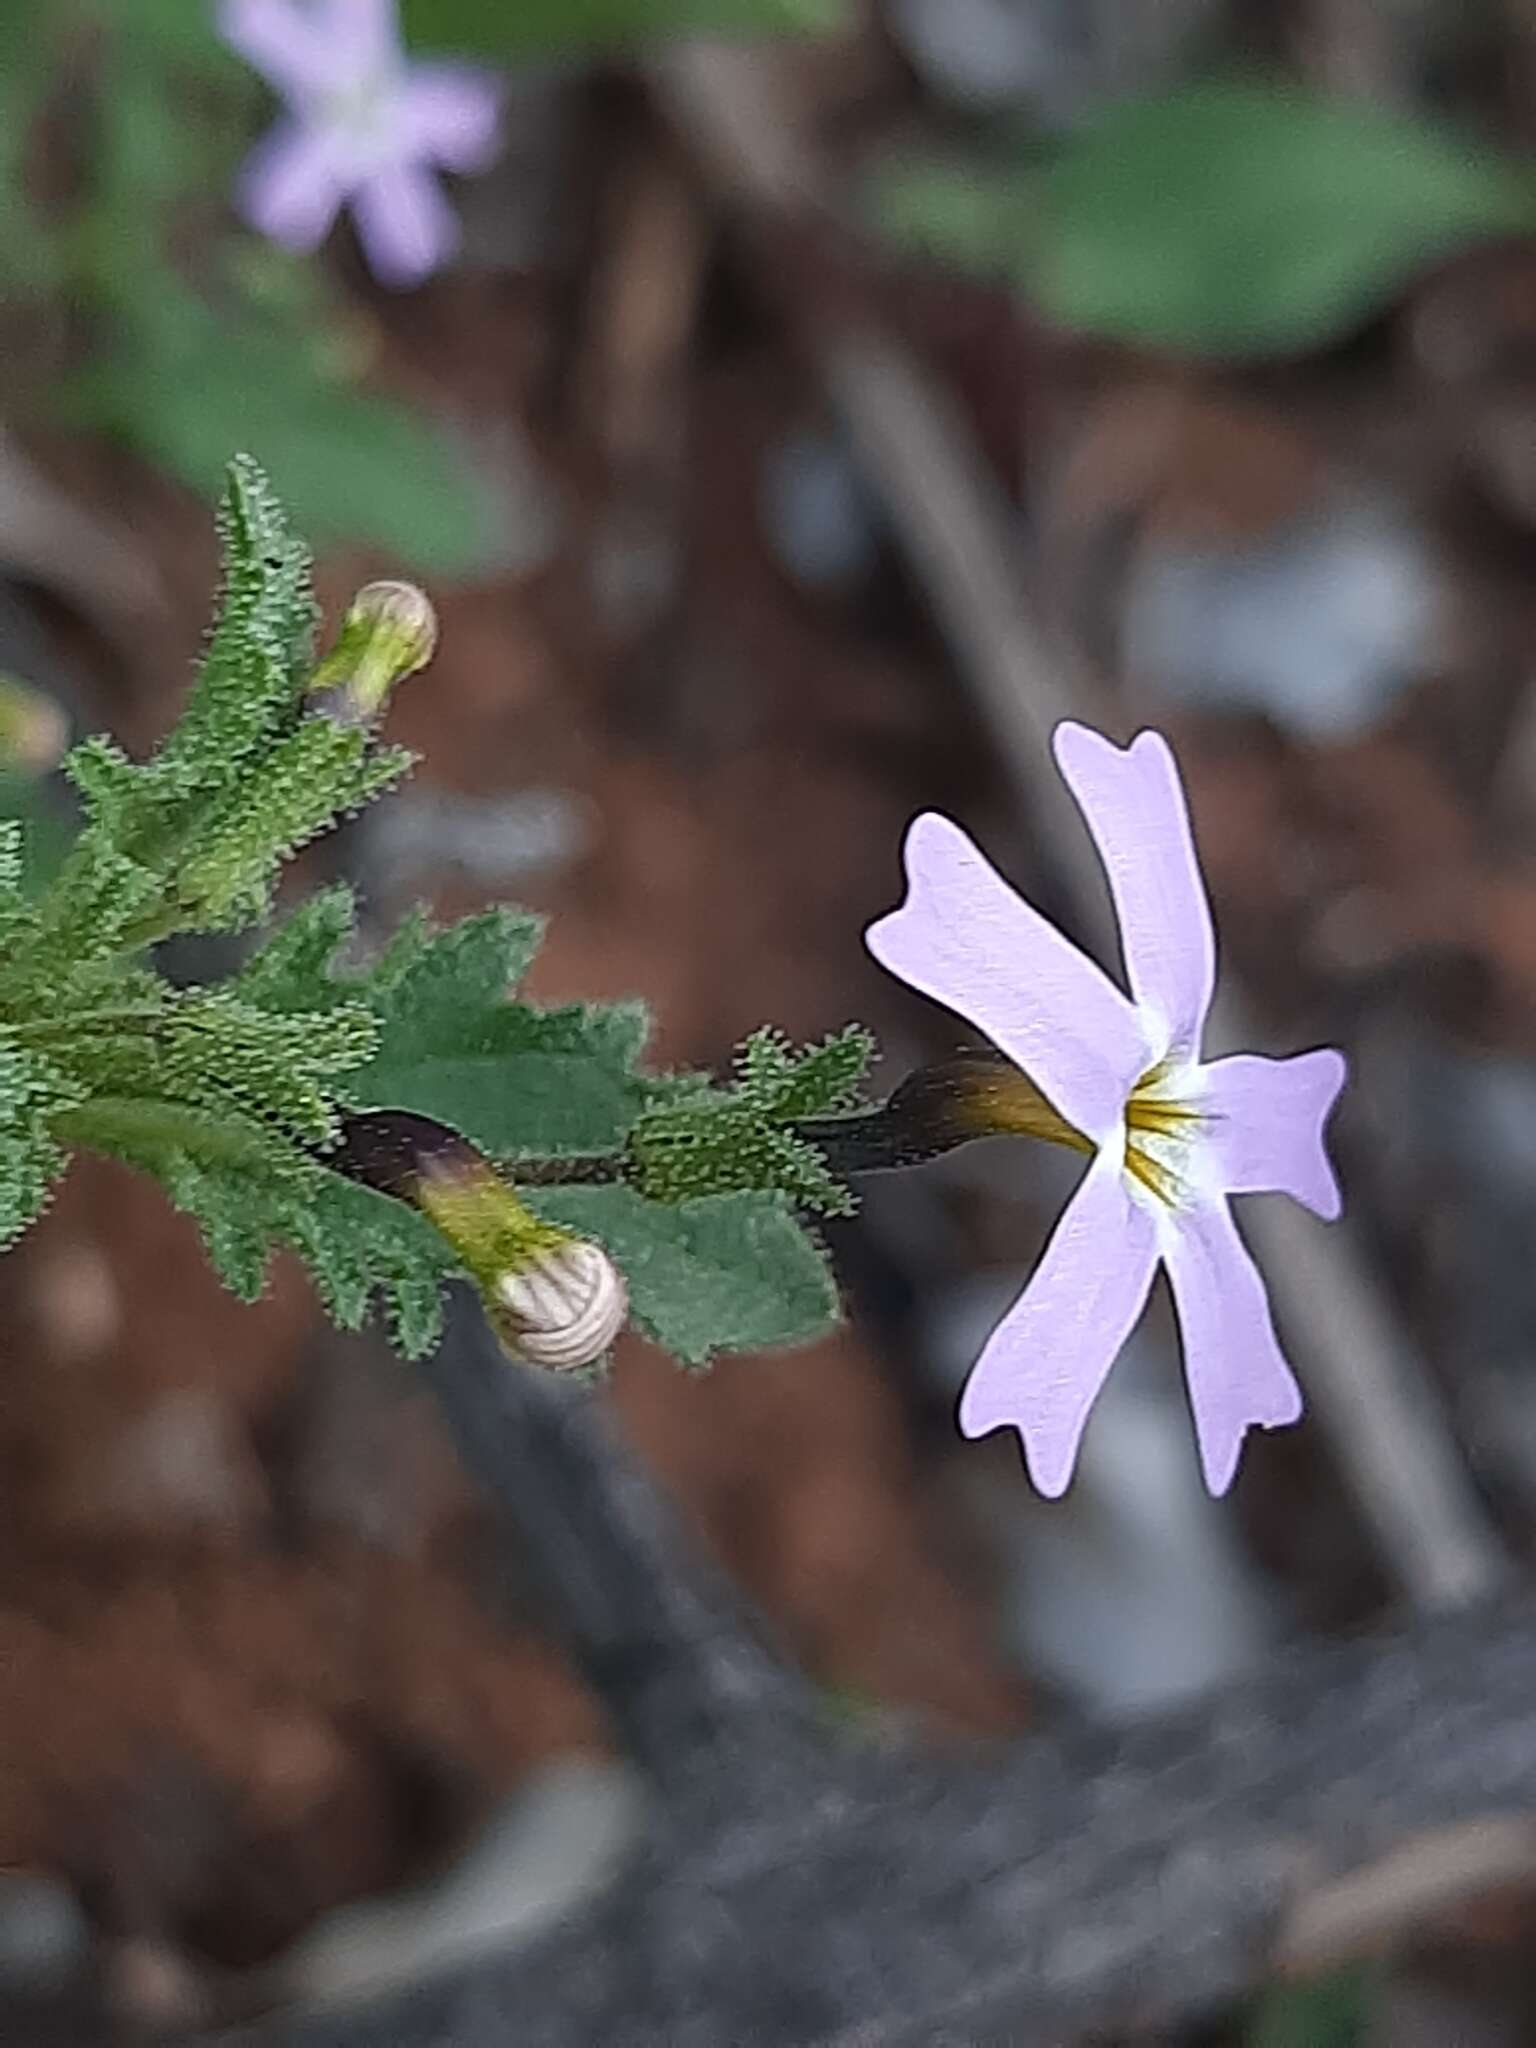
<point x="1157" y="1140"/>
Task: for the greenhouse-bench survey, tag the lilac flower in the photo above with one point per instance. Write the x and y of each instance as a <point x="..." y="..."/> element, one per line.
<point x="363" y="127"/>
<point x="1171" y="1136"/>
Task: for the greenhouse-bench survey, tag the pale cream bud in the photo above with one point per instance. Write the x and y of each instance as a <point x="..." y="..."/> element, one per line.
<point x="563" y="1310"/>
<point x="390" y="631"/>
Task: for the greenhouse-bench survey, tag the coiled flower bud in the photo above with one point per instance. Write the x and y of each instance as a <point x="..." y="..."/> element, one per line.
<point x="564" y="1310"/>
<point x="552" y="1298"/>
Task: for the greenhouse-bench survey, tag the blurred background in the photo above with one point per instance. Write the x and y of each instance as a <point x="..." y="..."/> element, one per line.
<point x="794" y="429"/>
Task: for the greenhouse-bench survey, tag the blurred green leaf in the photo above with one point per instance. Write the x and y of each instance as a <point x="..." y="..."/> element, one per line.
<point x="1331" y="2011"/>
<point x="520" y="29"/>
<point x="725" y="1273"/>
<point x="48" y="831"/>
<point x="352" y="465"/>
<point x="978" y="215"/>
<point x="1229" y="218"/>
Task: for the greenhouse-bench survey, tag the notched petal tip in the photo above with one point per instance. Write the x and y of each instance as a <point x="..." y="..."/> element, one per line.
<point x="1071" y="737"/>
<point x="931" y="837"/>
<point x="1221" y="1448"/>
<point x="1050" y="1473"/>
<point x="1075" y="745"/>
<point x="1269" y="1125"/>
<point x="933" y="850"/>
<point x="1237" y="1374"/>
<point x="1327" y="1071"/>
<point x="1133" y="803"/>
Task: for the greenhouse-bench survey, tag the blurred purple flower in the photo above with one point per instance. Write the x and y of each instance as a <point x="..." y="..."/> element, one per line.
<point x="1171" y="1136"/>
<point x="363" y="127"/>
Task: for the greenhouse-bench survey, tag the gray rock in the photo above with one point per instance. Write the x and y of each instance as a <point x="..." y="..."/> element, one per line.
<point x="1322" y="626"/>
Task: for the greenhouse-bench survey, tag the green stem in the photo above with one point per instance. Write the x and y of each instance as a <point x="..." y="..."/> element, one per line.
<point x="939" y="1107"/>
<point x="581" y="1169"/>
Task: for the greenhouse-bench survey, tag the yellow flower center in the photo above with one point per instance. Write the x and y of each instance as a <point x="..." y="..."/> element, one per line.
<point x="1158" y="1122"/>
<point x="1158" y="1127"/>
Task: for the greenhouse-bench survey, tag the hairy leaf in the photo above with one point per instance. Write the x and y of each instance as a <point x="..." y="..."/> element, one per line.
<point x="728" y="1273"/>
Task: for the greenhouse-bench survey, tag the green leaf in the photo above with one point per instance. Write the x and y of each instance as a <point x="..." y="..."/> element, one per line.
<point x="294" y="968"/>
<point x="535" y="28"/>
<point x="359" y="1246"/>
<point x="32" y="1091"/>
<point x="32" y="811"/>
<point x="704" y="1141"/>
<point x="255" y="667"/>
<point x="512" y="1079"/>
<point x="311" y="776"/>
<point x="515" y="1080"/>
<point x="435" y="989"/>
<point x="1331" y="2011"/>
<point x="352" y="465"/>
<point x="727" y="1273"/>
<point x="1229" y="218"/>
<point x="807" y="1081"/>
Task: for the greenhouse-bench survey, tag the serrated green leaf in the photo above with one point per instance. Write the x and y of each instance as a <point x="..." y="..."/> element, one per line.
<point x="513" y="1079"/>
<point x="526" y="1081"/>
<point x="32" y="1091"/>
<point x="293" y="968"/>
<point x="728" y="1273"/>
<point x="360" y="1248"/>
<point x="259" y="652"/>
<point x="95" y="898"/>
<point x="434" y="988"/>
<point x="1228" y="218"/>
<point x="317" y="773"/>
<point x="534" y="28"/>
<point x="703" y="1142"/>
<point x="792" y="1082"/>
<point x="680" y="1150"/>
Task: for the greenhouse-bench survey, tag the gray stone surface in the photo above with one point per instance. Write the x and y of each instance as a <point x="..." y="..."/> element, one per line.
<point x="801" y="1888"/>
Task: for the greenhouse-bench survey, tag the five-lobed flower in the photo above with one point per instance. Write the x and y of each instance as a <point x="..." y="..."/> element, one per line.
<point x="1171" y="1135"/>
<point x="364" y="127"/>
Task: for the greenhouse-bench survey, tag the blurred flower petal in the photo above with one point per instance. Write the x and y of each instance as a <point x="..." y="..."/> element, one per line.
<point x="452" y="115"/>
<point x="365" y="128"/>
<point x="292" y="185"/>
<point x="286" y="43"/>
<point x="407" y="227"/>
<point x="363" y="35"/>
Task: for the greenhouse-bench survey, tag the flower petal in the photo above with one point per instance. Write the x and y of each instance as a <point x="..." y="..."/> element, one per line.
<point x="1134" y="805"/>
<point x="363" y="37"/>
<point x="292" y="184"/>
<point x="407" y="227"/>
<point x="1233" y="1364"/>
<point x="1044" y="1364"/>
<point x="285" y="43"/>
<point x="450" y="114"/>
<point x="964" y="937"/>
<point x="1267" y="1119"/>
